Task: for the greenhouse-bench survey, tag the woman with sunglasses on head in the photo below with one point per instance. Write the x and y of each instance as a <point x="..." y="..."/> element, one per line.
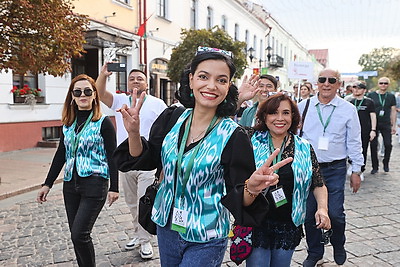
<point x="208" y="165"/>
<point x="86" y="146"/>
<point x="281" y="230"/>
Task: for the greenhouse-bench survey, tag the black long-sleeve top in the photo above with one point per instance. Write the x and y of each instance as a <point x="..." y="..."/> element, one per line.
<point x="237" y="159"/>
<point x="110" y="143"/>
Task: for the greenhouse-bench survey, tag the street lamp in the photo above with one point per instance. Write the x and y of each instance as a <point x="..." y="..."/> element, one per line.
<point x="250" y="52"/>
<point x="269" y="51"/>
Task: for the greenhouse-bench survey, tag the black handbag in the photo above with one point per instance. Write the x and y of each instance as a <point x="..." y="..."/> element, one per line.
<point x="146" y="203"/>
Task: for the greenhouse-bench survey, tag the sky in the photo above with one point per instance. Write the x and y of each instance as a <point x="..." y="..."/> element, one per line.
<point x="348" y="28"/>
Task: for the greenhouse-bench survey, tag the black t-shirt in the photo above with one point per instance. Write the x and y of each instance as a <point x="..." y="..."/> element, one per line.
<point x="364" y="108"/>
<point x="388" y="100"/>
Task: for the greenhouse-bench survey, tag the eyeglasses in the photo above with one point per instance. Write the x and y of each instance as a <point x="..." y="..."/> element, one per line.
<point x="205" y="49"/>
<point x="78" y="93"/>
<point x="385" y="83"/>
<point x="331" y="80"/>
<point x="355" y="86"/>
<point x="326" y="236"/>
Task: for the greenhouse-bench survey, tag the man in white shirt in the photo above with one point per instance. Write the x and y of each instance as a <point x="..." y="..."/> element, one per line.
<point x="134" y="183"/>
<point x="332" y="127"/>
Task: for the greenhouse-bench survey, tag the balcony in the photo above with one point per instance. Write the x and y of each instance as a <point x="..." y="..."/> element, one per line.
<point x="276" y="61"/>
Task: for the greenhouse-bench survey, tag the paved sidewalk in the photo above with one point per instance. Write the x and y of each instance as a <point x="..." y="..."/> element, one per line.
<point x="37" y="235"/>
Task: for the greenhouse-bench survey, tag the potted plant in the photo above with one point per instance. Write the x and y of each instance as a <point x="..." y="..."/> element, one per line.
<point x="27" y="95"/>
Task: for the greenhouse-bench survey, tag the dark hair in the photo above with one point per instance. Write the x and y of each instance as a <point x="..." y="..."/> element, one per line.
<point x="137" y="70"/>
<point x="270" y="106"/>
<point x="229" y="105"/>
<point x="271" y="78"/>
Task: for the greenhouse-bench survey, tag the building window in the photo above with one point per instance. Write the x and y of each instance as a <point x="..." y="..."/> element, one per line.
<point x="121" y="84"/>
<point x="236" y="32"/>
<point x="210" y="15"/>
<point x="224" y="25"/>
<point x="261" y="50"/>
<point x="28" y="78"/>
<point x="246" y="36"/>
<point x="193" y="14"/>
<point x="162" y="7"/>
<point x="51" y="133"/>
<point x="255" y="42"/>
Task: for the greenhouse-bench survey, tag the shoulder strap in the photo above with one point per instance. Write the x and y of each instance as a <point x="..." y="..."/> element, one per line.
<point x="303" y="117"/>
<point x="174" y="117"/>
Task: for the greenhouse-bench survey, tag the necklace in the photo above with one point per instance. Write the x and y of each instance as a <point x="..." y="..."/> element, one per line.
<point x="79" y="127"/>
<point x="195" y="138"/>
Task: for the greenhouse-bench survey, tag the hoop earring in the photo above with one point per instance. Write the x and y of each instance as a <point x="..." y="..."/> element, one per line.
<point x="72" y="101"/>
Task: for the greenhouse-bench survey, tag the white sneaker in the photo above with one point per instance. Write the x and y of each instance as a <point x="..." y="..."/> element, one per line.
<point x="132" y="244"/>
<point x="146" y="251"/>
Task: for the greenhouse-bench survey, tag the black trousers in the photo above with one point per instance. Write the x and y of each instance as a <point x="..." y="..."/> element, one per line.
<point x="84" y="198"/>
<point x="365" y="142"/>
<point x="386" y="131"/>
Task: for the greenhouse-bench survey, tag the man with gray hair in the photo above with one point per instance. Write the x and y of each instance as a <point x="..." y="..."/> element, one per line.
<point x="332" y="127"/>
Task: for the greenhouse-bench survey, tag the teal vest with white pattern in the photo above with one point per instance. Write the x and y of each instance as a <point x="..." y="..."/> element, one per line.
<point x="207" y="218"/>
<point x="301" y="166"/>
<point x="90" y="156"/>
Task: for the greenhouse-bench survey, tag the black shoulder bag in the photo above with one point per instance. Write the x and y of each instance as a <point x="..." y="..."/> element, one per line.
<point x="303" y="117"/>
<point x="146" y="202"/>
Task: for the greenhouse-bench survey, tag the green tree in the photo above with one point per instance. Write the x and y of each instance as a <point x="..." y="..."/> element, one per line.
<point x="216" y="37"/>
<point x="377" y="58"/>
<point x="40" y="36"/>
<point x="394" y="68"/>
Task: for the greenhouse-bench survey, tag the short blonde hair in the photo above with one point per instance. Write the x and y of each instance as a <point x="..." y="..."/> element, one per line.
<point x="381" y="78"/>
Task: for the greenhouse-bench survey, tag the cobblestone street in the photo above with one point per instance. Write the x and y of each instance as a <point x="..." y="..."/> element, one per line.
<point x="37" y="235"/>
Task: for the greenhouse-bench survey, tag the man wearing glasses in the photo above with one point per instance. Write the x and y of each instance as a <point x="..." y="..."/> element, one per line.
<point x="366" y="113"/>
<point x="267" y="85"/>
<point x="385" y="109"/>
<point x="332" y="127"/>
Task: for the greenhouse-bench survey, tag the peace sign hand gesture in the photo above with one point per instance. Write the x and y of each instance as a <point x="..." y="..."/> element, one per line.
<point x="130" y="114"/>
<point x="264" y="176"/>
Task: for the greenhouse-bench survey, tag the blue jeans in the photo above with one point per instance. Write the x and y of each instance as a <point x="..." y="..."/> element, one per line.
<point x="335" y="178"/>
<point x="261" y="257"/>
<point x="175" y="251"/>
<point x="84" y="198"/>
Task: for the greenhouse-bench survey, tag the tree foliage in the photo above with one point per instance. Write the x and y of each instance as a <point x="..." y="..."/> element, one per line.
<point x="377" y="59"/>
<point x="191" y="39"/>
<point x="393" y="68"/>
<point x="40" y="36"/>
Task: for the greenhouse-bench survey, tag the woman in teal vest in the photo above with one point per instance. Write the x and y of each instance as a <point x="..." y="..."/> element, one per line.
<point x="281" y="230"/>
<point x="207" y="161"/>
<point x="86" y="147"/>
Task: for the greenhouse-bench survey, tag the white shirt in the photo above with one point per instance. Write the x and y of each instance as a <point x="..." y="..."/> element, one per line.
<point x="151" y="109"/>
<point x="343" y="131"/>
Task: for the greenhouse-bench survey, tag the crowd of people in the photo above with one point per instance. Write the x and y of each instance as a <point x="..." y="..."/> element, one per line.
<point x="273" y="161"/>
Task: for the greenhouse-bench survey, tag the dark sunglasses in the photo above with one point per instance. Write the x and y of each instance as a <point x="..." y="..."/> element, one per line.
<point x="331" y="80"/>
<point x="326" y="236"/>
<point x="384" y="83"/>
<point x="78" y="93"/>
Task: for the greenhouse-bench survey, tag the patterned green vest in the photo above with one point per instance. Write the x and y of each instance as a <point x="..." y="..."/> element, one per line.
<point x="207" y="218"/>
<point x="90" y="157"/>
<point x="301" y="166"/>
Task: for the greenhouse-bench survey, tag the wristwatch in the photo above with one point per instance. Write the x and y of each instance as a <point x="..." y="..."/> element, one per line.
<point x="358" y="173"/>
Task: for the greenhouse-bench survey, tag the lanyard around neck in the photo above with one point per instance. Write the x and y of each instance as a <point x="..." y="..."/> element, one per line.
<point x="380" y="99"/>
<point x="130" y="99"/>
<point x="272" y="149"/>
<point x="358" y="106"/>
<point x="324" y="124"/>
<point x="190" y="163"/>
<point x="75" y="137"/>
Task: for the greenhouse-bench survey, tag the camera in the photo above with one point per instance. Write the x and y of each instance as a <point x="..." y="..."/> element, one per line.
<point x="116" y="67"/>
